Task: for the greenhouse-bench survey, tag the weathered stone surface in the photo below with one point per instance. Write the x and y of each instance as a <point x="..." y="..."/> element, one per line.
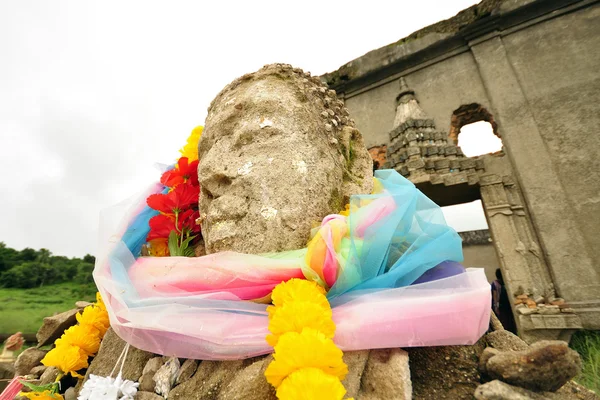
<point x="109" y="352"/>
<point x="445" y="372"/>
<point x="165" y="377"/>
<point x="7" y="372"/>
<point x="82" y="304"/>
<point x="545" y="366"/>
<point x="147" y="396"/>
<point x="208" y="381"/>
<point x="28" y="359"/>
<point x="250" y="383"/>
<point x="187" y="371"/>
<point x="485" y="357"/>
<point x="356" y="361"/>
<point x="505" y="341"/>
<point x="147" y="383"/>
<point x="574" y="391"/>
<point x="49" y="375"/>
<point x="53" y="327"/>
<point x="70" y="394"/>
<point x="38" y="371"/>
<point x="545" y="123"/>
<point x="386" y="376"/>
<point x="263" y="149"/>
<point x="497" y="390"/>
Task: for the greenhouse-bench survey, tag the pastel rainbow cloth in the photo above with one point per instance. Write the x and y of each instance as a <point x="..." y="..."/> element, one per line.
<point x="368" y="260"/>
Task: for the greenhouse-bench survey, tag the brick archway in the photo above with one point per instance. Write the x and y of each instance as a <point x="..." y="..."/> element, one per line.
<point x="468" y="114"/>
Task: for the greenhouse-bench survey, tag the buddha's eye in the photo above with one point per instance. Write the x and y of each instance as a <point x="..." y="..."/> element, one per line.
<point x="243" y="138"/>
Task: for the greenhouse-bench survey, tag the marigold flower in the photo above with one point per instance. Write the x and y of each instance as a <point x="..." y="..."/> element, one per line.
<point x="297" y="290"/>
<point x="85" y="337"/>
<point x="66" y="358"/>
<point x="96" y="317"/>
<point x="45" y="395"/>
<point x="159" y="247"/>
<point x="184" y="171"/>
<point x="311" y="383"/>
<point x="99" y="301"/>
<point x="190" y="150"/>
<point x="309" y="349"/>
<point x="297" y="315"/>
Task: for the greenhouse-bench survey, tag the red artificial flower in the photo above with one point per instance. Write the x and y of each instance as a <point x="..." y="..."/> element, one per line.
<point x="160" y="227"/>
<point x="183" y="173"/>
<point x="187" y="221"/>
<point x="177" y="200"/>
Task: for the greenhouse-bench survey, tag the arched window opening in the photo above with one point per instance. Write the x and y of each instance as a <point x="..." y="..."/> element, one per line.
<point x="465" y="217"/>
<point x="478" y="138"/>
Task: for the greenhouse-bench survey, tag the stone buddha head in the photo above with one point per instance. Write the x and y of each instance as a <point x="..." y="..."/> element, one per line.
<point x="278" y="153"/>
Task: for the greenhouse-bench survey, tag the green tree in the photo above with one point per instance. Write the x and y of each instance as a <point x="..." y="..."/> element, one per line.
<point x="84" y="273"/>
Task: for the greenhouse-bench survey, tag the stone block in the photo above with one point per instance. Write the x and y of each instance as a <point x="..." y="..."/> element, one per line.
<point x="436" y="179"/>
<point x="505" y="341"/>
<point x="53" y="327"/>
<point x="472" y="179"/>
<point x="489" y="179"/>
<point x="28" y="359"/>
<point x="455" y="165"/>
<point x="411" y="137"/>
<point x="413" y="151"/>
<point x="455" y="179"/>
<point x="479" y="164"/>
<point x="544" y="366"/>
<point x="356" y="361"/>
<point x="188" y="368"/>
<point x="450" y="150"/>
<point x="498" y="390"/>
<point x="467" y="163"/>
<point x="415" y="164"/>
<point x="110" y="350"/>
<point x="442" y="164"/>
<point x="386" y="376"/>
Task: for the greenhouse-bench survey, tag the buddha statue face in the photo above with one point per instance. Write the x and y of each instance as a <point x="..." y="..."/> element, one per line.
<point x="278" y="153"/>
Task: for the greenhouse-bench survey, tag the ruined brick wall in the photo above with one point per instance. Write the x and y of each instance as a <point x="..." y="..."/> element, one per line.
<point x="378" y="155"/>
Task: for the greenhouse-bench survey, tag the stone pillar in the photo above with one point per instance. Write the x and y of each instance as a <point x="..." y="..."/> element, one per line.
<point x="575" y="274"/>
<point x="523" y="265"/>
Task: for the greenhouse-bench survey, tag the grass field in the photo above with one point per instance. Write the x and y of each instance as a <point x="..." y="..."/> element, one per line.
<point x="22" y="310"/>
<point x="587" y="344"/>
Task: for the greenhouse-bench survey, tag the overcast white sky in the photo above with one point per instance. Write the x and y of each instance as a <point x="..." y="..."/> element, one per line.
<point x="92" y="94"/>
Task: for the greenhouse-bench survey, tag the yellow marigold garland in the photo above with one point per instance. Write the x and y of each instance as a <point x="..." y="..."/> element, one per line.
<point x="81" y="341"/>
<point x="45" y="395"/>
<point x="307" y="364"/>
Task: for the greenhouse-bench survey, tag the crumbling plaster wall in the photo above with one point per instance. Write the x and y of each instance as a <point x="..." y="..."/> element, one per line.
<point x="441" y="88"/>
<point x="482" y="256"/>
<point x="557" y="65"/>
<point x="540" y="80"/>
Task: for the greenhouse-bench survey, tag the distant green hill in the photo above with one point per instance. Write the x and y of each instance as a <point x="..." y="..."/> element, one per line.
<point x="35" y="284"/>
<point x="29" y="268"/>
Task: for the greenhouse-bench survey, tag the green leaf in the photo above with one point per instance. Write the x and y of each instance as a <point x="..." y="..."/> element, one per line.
<point x="189" y="252"/>
<point x="50" y="386"/>
<point x="173" y="245"/>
